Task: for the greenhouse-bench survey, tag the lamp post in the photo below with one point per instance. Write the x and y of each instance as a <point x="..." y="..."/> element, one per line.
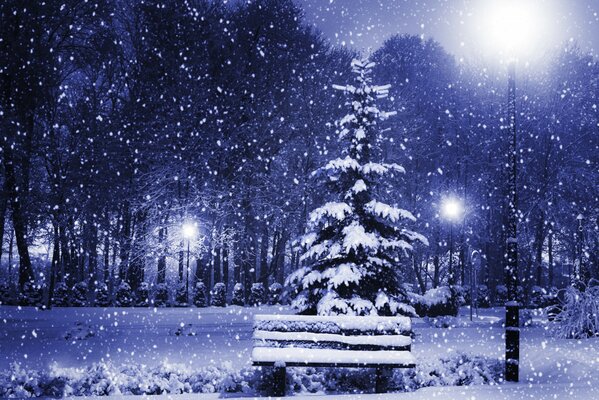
<point x="582" y="276"/>
<point x="451" y="210"/>
<point x="189" y="231"/>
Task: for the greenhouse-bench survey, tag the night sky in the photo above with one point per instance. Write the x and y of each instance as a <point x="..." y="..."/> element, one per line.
<point x="365" y="24"/>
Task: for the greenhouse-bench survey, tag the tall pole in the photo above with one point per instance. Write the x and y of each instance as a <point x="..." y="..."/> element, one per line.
<point x="451" y="271"/>
<point x="512" y="334"/>
<point x="187" y="278"/>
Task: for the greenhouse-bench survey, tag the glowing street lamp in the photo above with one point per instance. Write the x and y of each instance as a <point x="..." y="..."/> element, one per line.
<point x="452" y="210"/>
<point x="189" y="231"/>
<point x="513" y="28"/>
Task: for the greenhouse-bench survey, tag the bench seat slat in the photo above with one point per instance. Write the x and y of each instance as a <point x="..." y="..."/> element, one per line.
<point x="350" y="325"/>
<point x="324" y="357"/>
<point x="265" y="339"/>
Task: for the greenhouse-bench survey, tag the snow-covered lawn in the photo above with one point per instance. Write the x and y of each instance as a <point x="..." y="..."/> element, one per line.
<point x="78" y="337"/>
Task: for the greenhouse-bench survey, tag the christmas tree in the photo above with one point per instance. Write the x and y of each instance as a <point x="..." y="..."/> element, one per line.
<point x="355" y="242"/>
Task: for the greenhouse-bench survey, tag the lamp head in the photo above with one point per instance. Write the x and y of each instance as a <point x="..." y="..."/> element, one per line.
<point x="189" y="230"/>
<point x="513" y="29"/>
<point x="452" y="209"/>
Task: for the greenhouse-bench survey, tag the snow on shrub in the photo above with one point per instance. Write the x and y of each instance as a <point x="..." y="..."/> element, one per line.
<point x="105" y="379"/>
<point x="238" y="299"/>
<point x="102" y="295"/>
<point x="274" y="293"/>
<point x="257" y="294"/>
<point x="181" y="297"/>
<point x="123" y="297"/>
<point x="5" y="295"/>
<point x="61" y="297"/>
<point x="161" y="295"/>
<point x="79" y="294"/>
<point x="483" y="296"/>
<point x="142" y="297"/>
<point x="579" y="313"/>
<point x="199" y="295"/>
<point x="219" y="295"/>
<point x="31" y="295"/>
<point x="435" y="302"/>
<point x="500" y="295"/>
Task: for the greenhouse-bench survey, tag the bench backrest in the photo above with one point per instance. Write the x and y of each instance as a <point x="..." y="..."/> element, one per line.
<point x="333" y="332"/>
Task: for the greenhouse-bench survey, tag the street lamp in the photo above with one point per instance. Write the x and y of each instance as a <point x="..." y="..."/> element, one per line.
<point x="189" y="231"/>
<point x="513" y="28"/>
<point x="451" y="210"/>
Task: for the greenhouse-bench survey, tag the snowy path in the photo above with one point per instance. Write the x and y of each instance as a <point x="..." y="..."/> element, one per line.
<point x="35" y="339"/>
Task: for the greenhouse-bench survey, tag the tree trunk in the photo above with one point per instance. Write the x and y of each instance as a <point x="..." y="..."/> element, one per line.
<point x="161" y="273"/>
<point x="18" y="217"/>
<point x="264" y="270"/>
<point x="225" y="262"/>
<point x="54" y="265"/>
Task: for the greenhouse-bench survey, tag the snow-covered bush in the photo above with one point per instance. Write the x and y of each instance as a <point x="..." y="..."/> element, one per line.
<point x="199" y="295"/>
<point x="142" y="295"/>
<point x="500" y="295"/>
<point x="102" y="295"/>
<point x="6" y="297"/>
<point x="123" y="296"/>
<point x="537" y="297"/>
<point x="104" y="379"/>
<point x="436" y="302"/>
<point x="61" y="296"/>
<point x="257" y="294"/>
<point x="219" y="295"/>
<point x="238" y="299"/>
<point x="579" y="313"/>
<point x="181" y="296"/>
<point x="161" y="295"/>
<point x="483" y="296"/>
<point x="31" y="295"/>
<point x="275" y="291"/>
<point x="79" y="294"/>
<point x="352" y="242"/>
<point x="464" y="293"/>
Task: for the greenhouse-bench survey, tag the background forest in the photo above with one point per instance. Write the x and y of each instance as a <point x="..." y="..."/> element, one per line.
<point x="123" y="121"/>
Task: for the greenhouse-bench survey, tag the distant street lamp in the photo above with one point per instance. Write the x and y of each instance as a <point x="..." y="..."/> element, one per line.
<point x="189" y="231"/>
<point x="452" y="211"/>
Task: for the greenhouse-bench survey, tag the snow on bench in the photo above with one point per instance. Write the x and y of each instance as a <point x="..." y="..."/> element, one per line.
<point x="331" y="341"/>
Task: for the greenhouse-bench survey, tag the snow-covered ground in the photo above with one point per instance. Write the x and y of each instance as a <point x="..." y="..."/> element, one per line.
<point x="76" y="337"/>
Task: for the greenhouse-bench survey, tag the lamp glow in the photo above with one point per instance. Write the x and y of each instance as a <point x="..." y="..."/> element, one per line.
<point x="514" y="29"/>
<point x="452" y="209"/>
<point x="189" y="230"/>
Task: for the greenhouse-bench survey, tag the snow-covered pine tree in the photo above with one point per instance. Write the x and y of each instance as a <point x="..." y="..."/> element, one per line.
<point x="354" y="242"/>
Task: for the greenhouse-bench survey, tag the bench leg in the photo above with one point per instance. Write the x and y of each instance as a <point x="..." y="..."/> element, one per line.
<point x="382" y="380"/>
<point x="279" y="379"/>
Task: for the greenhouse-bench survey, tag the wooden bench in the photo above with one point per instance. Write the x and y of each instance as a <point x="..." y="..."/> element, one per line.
<point x="282" y="341"/>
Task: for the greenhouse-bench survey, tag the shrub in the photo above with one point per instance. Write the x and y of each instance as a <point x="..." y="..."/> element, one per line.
<point x="274" y="293"/>
<point x="500" y="295"/>
<point x="123" y="297"/>
<point x="181" y="296"/>
<point x="31" y="295"/>
<point x="142" y="298"/>
<point x="61" y="296"/>
<point x="238" y="299"/>
<point x="257" y="294"/>
<point x="199" y="295"/>
<point x="6" y="295"/>
<point x="537" y="297"/>
<point x="483" y="296"/>
<point x="219" y="295"/>
<point x="436" y="302"/>
<point x="102" y="295"/>
<point x="79" y="294"/>
<point x="161" y="295"/>
<point x="578" y="315"/>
